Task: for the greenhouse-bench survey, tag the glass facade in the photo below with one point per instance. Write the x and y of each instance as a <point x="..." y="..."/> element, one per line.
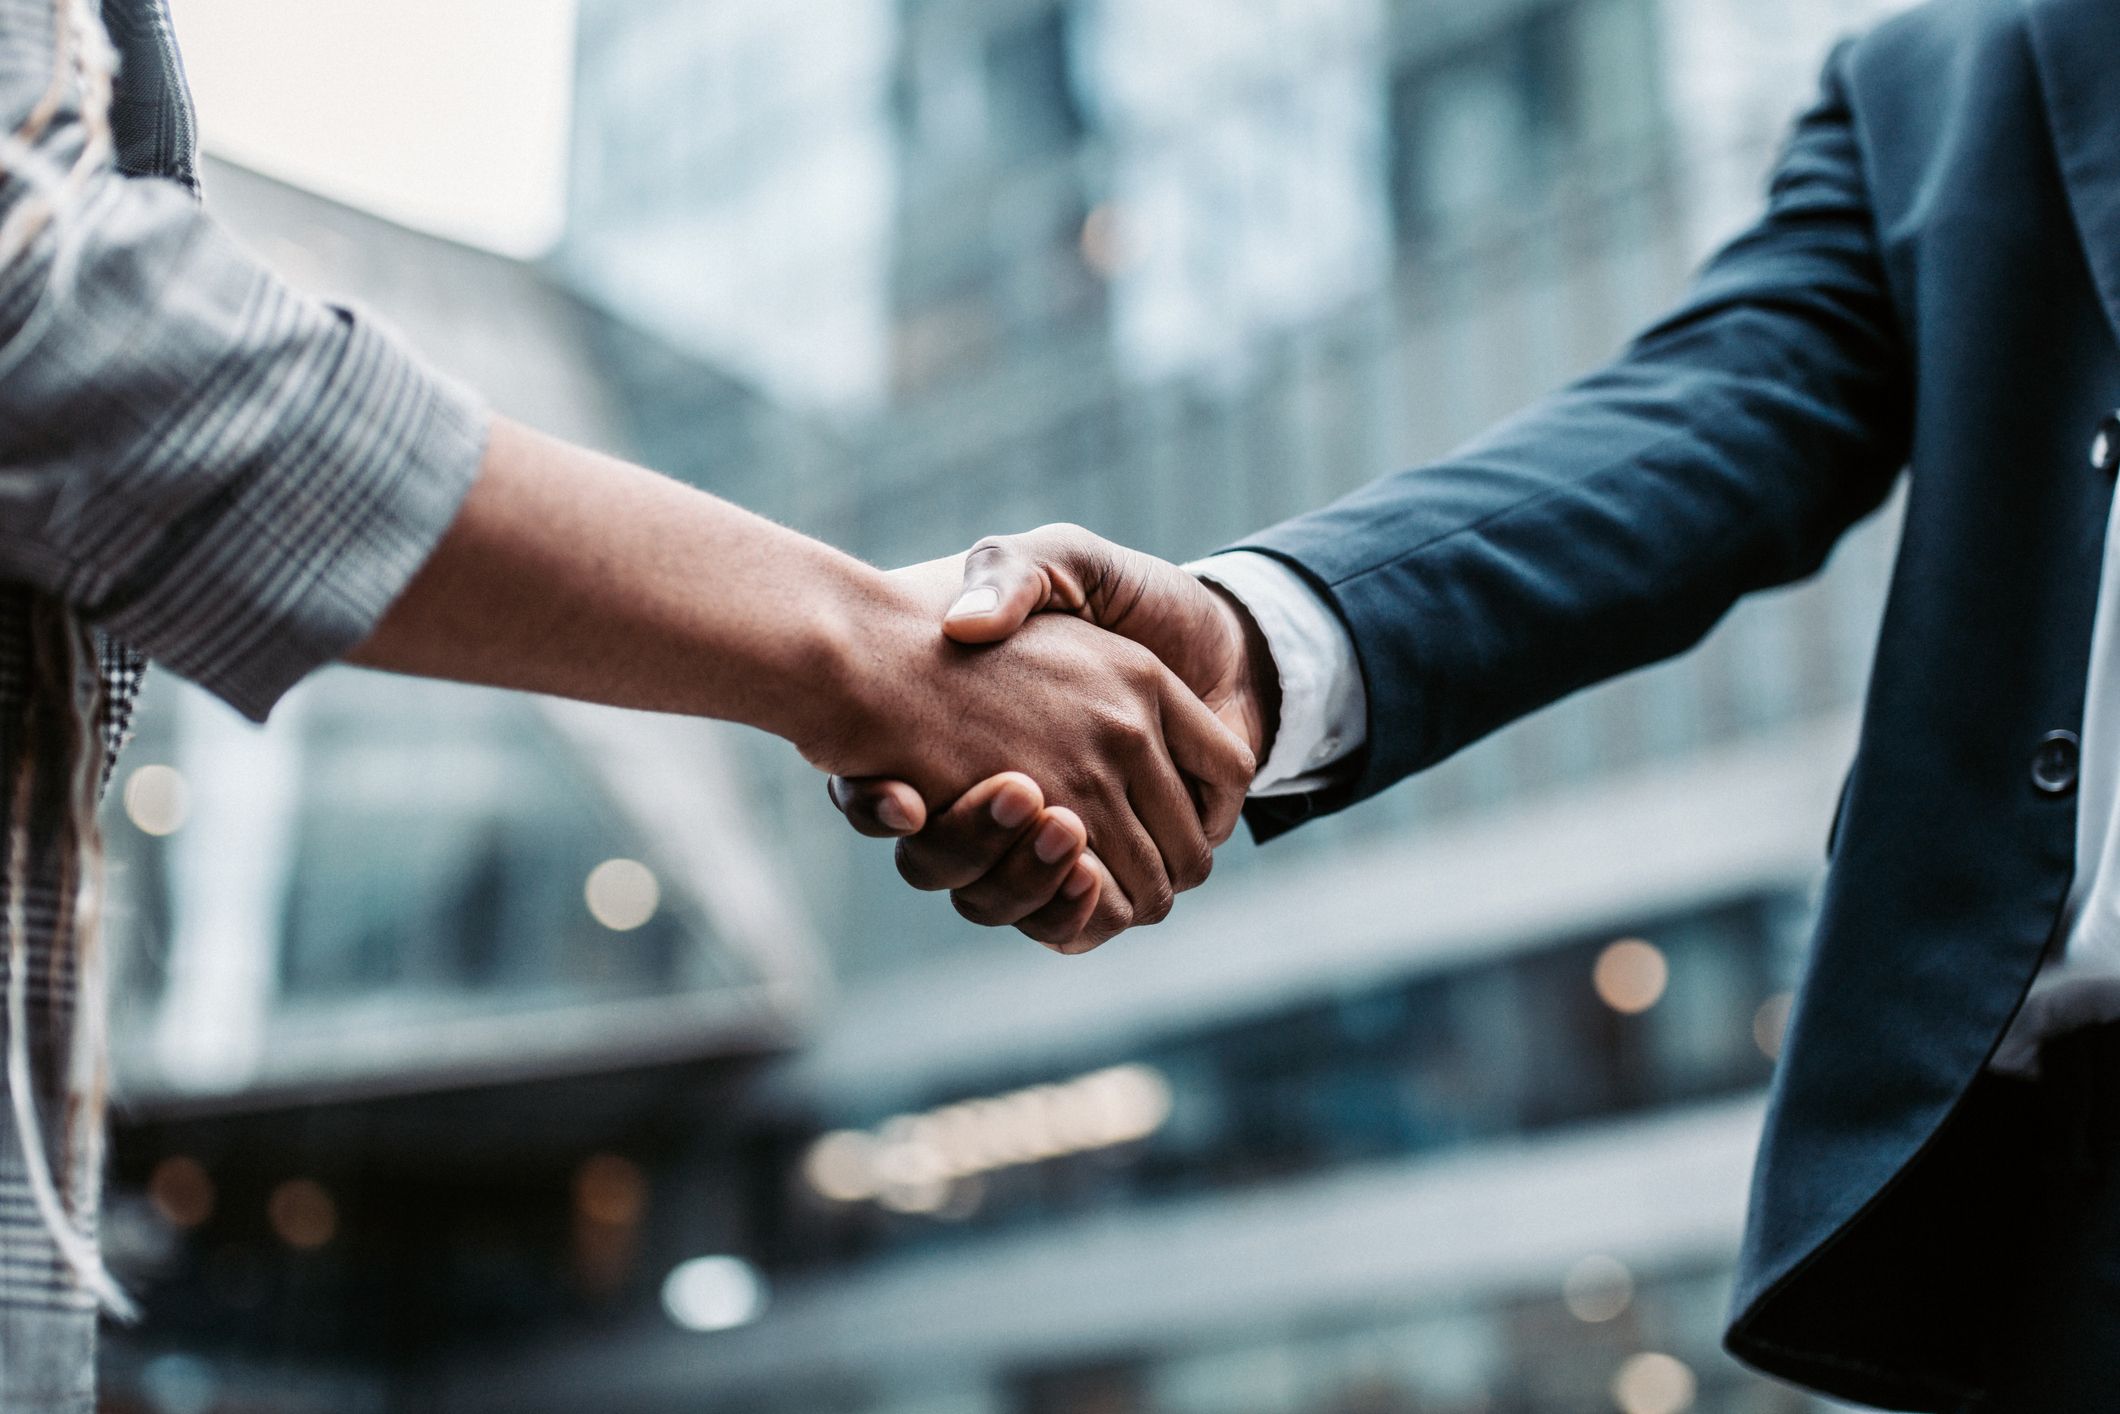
<point x="749" y="147"/>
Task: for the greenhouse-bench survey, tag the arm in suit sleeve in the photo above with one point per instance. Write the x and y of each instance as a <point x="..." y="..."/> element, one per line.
<point x="1613" y="524"/>
<point x="234" y="478"/>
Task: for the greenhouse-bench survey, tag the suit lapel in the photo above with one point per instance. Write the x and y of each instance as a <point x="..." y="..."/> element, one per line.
<point x="2073" y="46"/>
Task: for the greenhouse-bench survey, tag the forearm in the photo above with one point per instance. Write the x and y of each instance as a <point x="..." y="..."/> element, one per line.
<point x="578" y="575"/>
<point x="574" y="574"/>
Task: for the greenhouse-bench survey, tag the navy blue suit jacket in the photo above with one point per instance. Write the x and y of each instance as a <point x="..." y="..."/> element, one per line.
<point x="1934" y="287"/>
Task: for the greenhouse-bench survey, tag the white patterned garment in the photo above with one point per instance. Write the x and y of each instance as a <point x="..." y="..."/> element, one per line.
<point x="194" y="460"/>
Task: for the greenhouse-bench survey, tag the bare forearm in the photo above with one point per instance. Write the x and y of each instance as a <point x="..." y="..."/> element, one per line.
<point x="577" y="575"/>
<point x="581" y="576"/>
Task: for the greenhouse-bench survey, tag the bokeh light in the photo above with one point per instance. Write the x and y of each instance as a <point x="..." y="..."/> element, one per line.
<point x="1131" y="1102"/>
<point x="1653" y="1383"/>
<point x="622" y="894"/>
<point x="303" y="1213"/>
<point x="842" y="1166"/>
<point x="928" y="1193"/>
<point x="157" y="799"/>
<point x="610" y="1190"/>
<point x="1631" y="975"/>
<point x="181" y="1191"/>
<point x="714" y="1293"/>
<point x="915" y="1163"/>
<point x="1598" y="1288"/>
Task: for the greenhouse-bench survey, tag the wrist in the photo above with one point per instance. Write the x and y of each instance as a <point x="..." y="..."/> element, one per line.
<point x="1254" y="710"/>
<point x="843" y="660"/>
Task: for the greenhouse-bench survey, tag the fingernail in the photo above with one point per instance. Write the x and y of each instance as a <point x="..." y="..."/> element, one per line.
<point x="974" y="602"/>
<point x="893" y="815"/>
<point x="1053" y="843"/>
<point x="1080" y="882"/>
<point x="1011" y="808"/>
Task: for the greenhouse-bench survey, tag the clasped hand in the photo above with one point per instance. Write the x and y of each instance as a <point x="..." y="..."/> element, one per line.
<point x="1115" y="707"/>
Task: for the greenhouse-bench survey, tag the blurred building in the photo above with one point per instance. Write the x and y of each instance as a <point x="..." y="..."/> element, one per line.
<point x="1446" y="1104"/>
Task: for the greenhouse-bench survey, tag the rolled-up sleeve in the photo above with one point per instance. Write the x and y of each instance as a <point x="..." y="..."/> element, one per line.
<point x="233" y="477"/>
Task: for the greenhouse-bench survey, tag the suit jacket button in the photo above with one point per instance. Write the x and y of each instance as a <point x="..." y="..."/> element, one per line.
<point x="2054" y="763"/>
<point x="2105" y="446"/>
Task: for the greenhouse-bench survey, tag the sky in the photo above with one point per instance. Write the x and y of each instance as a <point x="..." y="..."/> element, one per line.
<point x="449" y="116"/>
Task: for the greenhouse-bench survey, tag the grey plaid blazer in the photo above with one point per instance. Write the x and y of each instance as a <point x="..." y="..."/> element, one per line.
<point x="194" y="460"/>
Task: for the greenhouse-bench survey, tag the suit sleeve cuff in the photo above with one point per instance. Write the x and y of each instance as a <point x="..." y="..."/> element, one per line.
<point x="1324" y="705"/>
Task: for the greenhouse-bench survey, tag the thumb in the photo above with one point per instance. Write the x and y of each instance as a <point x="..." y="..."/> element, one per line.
<point x="1007" y="578"/>
<point x="878" y="807"/>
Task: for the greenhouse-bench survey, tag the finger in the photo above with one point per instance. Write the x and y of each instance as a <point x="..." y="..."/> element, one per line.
<point x="1030" y="875"/>
<point x="1007" y="578"/>
<point x="1111" y="915"/>
<point x="1215" y="760"/>
<point x="877" y="806"/>
<point x="973" y="834"/>
<point x="1163" y="802"/>
<point x="1123" y="843"/>
<point x="1062" y="924"/>
<point x="1003" y="586"/>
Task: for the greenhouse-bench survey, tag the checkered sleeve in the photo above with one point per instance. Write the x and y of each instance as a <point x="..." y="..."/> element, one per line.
<point x="234" y="477"/>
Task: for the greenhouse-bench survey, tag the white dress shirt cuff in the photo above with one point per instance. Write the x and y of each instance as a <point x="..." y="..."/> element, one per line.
<point x="1324" y="705"/>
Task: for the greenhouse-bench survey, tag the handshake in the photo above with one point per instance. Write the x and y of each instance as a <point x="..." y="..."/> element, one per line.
<point x="1065" y="754"/>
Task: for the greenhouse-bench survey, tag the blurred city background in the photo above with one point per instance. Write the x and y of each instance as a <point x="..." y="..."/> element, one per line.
<point x="478" y="1053"/>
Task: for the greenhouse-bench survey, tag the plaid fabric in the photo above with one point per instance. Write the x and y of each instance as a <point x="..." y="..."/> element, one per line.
<point x="199" y="462"/>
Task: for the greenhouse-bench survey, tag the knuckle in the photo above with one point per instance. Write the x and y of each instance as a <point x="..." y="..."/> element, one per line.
<point x="1232" y="765"/>
<point x="989" y="548"/>
<point x="1118" y="730"/>
<point x="977" y="910"/>
<point x="1103" y="731"/>
<point x="1113" y="916"/>
<point x="1139" y="665"/>
<point x="1194" y="868"/>
<point x="1156" y="907"/>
